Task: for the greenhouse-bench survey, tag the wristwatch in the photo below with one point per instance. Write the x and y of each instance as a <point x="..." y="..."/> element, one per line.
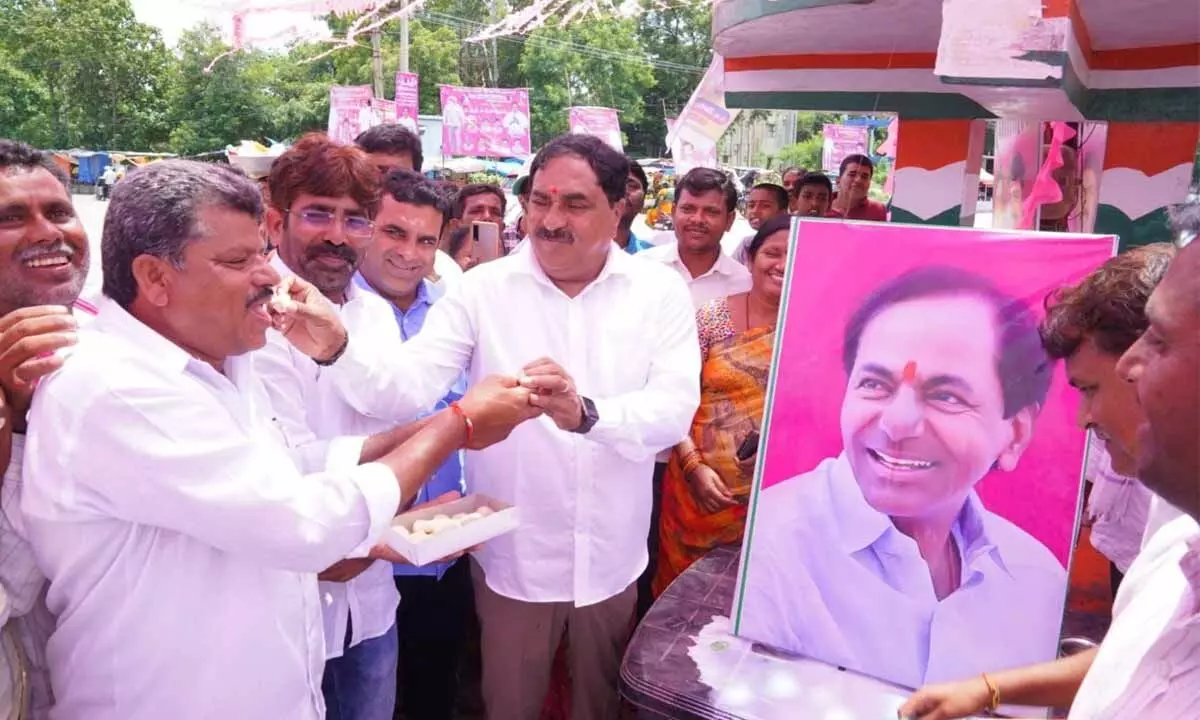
<point x="337" y="354"/>
<point x="587" y="415"/>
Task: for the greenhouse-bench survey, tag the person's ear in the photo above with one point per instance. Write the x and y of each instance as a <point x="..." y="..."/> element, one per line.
<point x="1022" y="425"/>
<point x="152" y="275"/>
<point x="273" y="222"/>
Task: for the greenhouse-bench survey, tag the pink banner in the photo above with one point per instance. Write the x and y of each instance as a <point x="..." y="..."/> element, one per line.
<point x="349" y="111"/>
<point x="385" y="111"/>
<point x="408" y="100"/>
<point x="485" y="122"/>
<point x="918" y="482"/>
<point x="840" y="141"/>
<point x="604" y="123"/>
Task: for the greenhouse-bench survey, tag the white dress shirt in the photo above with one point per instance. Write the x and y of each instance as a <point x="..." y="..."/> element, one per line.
<point x="179" y="535"/>
<point x="306" y="401"/>
<point x="629" y="342"/>
<point x="1149" y="663"/>
<point x="446" y="268"/>
<point x="726" y="277"/>
<point x="830" y="577"/>
<point x="1118" y="507"/>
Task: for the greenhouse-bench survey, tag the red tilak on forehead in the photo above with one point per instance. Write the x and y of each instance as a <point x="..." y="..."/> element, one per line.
<point x="909" y="375"/>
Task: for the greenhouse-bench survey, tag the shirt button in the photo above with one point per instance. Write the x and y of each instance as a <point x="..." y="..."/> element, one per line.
<point x="328" y="599"/>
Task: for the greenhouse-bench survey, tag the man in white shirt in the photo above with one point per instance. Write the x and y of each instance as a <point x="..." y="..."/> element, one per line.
<point x="705" y="209"/>
<point x="624" y="390"/>
<point x="1089" y="325"/>
<point x="884" y="560"/>
<point x="323" y="195"/>
<point x="44" y="251"/>
<point x="180" y="525"/>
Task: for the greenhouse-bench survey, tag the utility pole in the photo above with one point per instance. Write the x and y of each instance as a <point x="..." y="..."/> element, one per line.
<point x="377" y="62"/>
<point x="404" y="38"/>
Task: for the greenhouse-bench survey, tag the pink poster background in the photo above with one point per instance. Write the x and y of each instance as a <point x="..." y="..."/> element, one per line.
<point x="603" y="123"/>
<point x="349" y="111"/>
<point x="836" y="265"/>
<point x="408" y="100"/>
<point x="385" y="110"/>
<point x="485" y="122"/>
<point x="840" y="141"/>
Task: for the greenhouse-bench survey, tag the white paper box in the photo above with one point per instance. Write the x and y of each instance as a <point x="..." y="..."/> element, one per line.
<point x="503" y="519"/>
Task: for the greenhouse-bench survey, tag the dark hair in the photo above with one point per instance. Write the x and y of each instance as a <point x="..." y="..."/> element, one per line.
<point x="316" y="165"/>
<point x="814" y="179"/>
<point x="392" y="139"/>
<point x="1022" y="366"/>
<point x="779" y="223"/>
<point x="636" y="170"/>
<point x="779" y="191"/>
<point x="470" y="191"/>
<point x="458" y="237"/>
<point x="702" y="180"/>
<point x="611" y="167"/>
<point x="856" y="159"/>
<point x="792" y="169"/>
<point x="410" y="188"/>
<point x="1108" y="305"/>
<point x="19" y="155"/>
<point x="155" y="209"/>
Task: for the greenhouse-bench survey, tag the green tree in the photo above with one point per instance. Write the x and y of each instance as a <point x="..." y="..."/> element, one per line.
<point x="678" y="39"/>
<point x="593" y="62"/>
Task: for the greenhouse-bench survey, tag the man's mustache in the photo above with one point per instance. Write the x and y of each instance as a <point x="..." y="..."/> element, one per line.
<point x="263" y="294"/>
<point x="344" y="252"/>
<point x="559" y="236"/>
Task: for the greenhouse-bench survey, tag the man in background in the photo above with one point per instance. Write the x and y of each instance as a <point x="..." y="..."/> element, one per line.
<point x="391" y="146"/>
<point x="812" y="196"/>
<point x="854" y="185"/>
<point x="635" y="199"/>
<point x="435" y="600"/>
<point x="766" y="200"/>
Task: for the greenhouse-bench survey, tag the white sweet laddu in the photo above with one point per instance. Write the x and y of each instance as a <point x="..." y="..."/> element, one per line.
<point x="422" y="529"/>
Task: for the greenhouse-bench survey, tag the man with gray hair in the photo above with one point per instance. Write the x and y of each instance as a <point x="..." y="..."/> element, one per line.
<point x="180" y="526"/>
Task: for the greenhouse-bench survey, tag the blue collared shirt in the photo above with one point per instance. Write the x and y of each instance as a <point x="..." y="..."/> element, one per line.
<point x="636" y="244"/>
<point x="448" y="477"/>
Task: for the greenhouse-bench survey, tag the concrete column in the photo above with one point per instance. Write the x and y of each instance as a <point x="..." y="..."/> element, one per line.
<point x="937" y="171"/>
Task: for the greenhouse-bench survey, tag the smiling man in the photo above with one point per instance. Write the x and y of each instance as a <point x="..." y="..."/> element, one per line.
<point x="854" y="185"/>
<point x="883" y="559"/>
<point x="43" y="265"/>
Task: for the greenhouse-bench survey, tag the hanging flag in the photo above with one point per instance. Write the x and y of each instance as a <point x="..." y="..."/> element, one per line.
<point x="602" y="122"/>
<point x="485" y="122"/>
<point x="408" y="100"/>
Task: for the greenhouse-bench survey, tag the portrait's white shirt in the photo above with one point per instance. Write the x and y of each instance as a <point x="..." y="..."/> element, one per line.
<point x="726" y="277"/>
<point x="629" y="342"/>
<point x="180" y="536"/>
<point x="830" y="577"/>
<point x="305" y="400"/>
<point x="1149" y="663"/>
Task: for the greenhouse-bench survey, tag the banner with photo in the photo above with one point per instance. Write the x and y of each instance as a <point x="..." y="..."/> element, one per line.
<point x="916" y="496"/>
<point x="604" y="123"/>
<point x="485" y="122"/>
<point x="705" y="118"/>
<point x="841" y="141"/>
<point x="349" y="111"/>
<point x="384" y="111"/>
<point x="408" y="99"/>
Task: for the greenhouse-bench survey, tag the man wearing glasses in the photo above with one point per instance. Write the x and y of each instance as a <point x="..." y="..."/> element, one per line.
<point x="323" y="196"/>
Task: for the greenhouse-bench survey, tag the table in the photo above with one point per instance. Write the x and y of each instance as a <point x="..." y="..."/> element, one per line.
<point x="683" y="664"/>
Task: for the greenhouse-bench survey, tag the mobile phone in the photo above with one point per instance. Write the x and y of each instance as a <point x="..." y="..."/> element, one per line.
<point x="748" y="447"/>
<point x="487" y="241"/>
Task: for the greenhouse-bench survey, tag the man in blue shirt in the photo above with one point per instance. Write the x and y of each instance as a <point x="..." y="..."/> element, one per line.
<point x="435" y="600"/>
<point x="635" y="198"/>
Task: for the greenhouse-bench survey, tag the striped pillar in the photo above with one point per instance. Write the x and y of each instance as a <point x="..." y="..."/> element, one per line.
<point x="937" y="171"/>
<point x="1147" y="168"/>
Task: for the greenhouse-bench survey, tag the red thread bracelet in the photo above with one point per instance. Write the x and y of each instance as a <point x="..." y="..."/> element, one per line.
<point x="466" y="420"/>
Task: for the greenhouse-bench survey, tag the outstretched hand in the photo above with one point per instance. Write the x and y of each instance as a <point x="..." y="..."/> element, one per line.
<point x="306" y="318"/>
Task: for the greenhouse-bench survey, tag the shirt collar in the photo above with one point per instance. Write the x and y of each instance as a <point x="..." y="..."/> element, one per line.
<point x="618" y="263"/>
<point x="861" y="525"/>
<point x="724" y="265"/>
<point x="1190" y="564"/>
<point x="112" y="319"/>
<point x="427" y="292"/>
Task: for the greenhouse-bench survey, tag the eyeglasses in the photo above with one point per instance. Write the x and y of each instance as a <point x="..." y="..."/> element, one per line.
<point x="353" y="225"/>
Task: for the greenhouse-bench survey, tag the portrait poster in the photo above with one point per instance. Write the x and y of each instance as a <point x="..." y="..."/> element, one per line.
<point x="1018" y="158"/>
<point x="384" y="111"/>
<point x="408" y="99"/>
<point x="841" y="141"/>
<point x="485" y="122"/>
<point x="918" y="483"/>
<point x="350" y="111"/>
<point x="603" y="123"/>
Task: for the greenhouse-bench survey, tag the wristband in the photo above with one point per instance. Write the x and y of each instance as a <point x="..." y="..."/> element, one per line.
<point x="457" y="409"/>
<point x="336" y="353"/>
<point x="993" y="693"/>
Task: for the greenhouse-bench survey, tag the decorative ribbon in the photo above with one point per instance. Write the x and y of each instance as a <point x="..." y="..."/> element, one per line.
<point x="1045" y="190"/>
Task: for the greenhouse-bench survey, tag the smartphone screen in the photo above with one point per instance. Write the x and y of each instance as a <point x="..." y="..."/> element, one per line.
<point x="487" y="241"/>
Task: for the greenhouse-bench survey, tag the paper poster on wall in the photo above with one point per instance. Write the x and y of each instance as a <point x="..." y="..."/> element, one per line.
<point x="408" y="99"/>
<point x="485" y="122"/>
<point x="603" y="123"/>
<point x="916" y="500"/>
<point x="349" y="111"/>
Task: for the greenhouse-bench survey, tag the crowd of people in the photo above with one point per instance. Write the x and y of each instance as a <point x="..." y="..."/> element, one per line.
<point x="199" y="465"/>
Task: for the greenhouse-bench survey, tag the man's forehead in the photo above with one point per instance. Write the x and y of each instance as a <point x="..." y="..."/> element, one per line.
<point x="483" y="198"/>
<point x="23" y="184"/>
<point x="901" y="333"/>
<point x="565" y="174"/>
<point x="708" y="197"/>
<point x="345" y="202"/>
<point x="394" y="212"/>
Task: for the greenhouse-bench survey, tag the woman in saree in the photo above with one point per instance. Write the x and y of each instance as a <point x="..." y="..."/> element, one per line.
<point x="708" y="479"/>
